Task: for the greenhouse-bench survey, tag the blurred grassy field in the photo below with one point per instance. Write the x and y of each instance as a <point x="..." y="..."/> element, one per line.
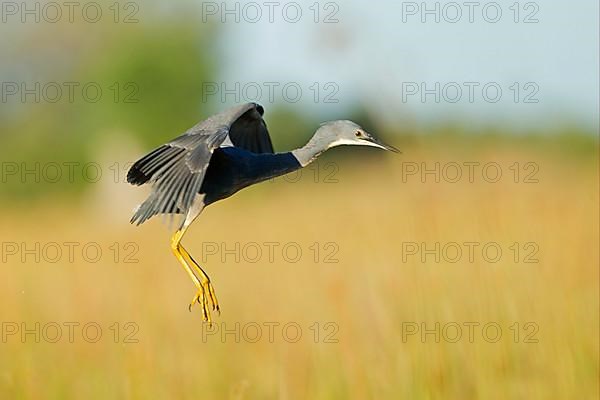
<point x="368" y="295"/>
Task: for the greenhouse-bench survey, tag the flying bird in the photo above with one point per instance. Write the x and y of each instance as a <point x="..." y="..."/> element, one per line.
<point x="215" y="159"/>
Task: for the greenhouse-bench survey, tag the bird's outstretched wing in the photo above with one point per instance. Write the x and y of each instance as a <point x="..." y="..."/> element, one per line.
<point x="176" y="169"/>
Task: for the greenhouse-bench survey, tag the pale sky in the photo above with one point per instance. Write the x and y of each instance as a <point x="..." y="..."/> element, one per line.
<point x="372" y="55"/>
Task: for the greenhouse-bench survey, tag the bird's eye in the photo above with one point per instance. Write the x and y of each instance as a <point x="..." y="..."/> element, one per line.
<point x="358" y="133"/>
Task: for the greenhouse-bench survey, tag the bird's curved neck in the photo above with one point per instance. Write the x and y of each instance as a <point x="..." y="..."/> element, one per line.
<point x="309" y="152"/>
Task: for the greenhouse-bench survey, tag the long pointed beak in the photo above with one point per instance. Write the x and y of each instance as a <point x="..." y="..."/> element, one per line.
<point x="378" y="143"/>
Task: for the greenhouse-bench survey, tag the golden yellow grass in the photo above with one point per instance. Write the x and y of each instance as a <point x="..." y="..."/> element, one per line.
<point x="370" y="295"/>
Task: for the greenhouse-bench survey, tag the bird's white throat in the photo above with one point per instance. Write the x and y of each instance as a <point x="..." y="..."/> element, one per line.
<point x="309" y="152"/>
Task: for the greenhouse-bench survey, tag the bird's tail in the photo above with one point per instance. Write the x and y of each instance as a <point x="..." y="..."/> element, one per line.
<point x="146" y="210"/>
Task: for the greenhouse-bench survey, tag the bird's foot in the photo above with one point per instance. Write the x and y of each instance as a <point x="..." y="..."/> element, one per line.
<point x="207" y="299"/>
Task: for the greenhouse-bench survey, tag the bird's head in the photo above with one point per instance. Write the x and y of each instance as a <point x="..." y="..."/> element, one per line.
<point x="337" y="133"/>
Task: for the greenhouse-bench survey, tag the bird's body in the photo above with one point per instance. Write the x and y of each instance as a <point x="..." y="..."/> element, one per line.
<point x="216" y="158"/>
<point x="232" y="169"/>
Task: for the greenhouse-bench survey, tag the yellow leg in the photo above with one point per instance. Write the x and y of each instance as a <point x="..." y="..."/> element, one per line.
<point x="206" y="291"/>
<point x="205" y="280"/>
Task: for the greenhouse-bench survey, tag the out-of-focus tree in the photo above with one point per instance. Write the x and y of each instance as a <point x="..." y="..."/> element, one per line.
<point x="150" y="74"/>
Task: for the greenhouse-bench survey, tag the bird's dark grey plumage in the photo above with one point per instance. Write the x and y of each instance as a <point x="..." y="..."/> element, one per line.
<point x="177" y="169"/>
<point x="216" y="158"/>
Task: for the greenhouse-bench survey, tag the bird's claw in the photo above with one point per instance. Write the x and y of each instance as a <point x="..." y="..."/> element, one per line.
<point x="204" y="296"/>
